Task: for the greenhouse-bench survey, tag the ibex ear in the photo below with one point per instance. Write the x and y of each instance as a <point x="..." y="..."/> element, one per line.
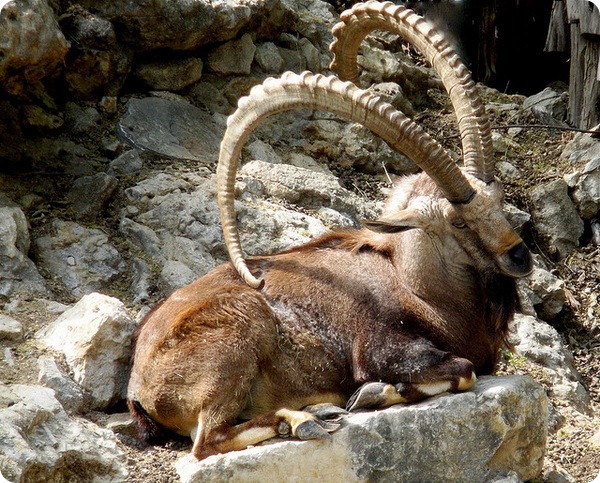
<point x="402" y="221"/>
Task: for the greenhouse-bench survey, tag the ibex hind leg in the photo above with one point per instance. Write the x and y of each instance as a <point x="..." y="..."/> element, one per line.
<point x="460" y="376"/>
<point x="222" y="438"/>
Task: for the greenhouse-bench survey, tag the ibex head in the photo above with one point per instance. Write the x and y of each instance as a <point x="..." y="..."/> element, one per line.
<point x="472" y="202"/>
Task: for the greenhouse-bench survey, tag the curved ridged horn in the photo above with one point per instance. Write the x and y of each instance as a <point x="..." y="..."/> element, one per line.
<point x="363" y="18"/>
<point x="310" y="91"/>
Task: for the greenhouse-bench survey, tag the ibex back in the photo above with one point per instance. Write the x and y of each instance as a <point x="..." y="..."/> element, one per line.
<point x="414" y="305"/>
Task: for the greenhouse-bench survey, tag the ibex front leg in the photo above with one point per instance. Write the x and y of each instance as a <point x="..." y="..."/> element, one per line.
<point x="222" y="438"/>
<point x="405" y="369"/>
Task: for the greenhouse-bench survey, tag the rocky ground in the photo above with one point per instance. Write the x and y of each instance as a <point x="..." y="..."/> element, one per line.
<point x="115" y="194"/>
<point x="571" y="447"/>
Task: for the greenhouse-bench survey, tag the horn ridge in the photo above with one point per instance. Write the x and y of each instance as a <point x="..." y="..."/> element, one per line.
<point x="315" y="91"/>
<point x="363" y="18"/>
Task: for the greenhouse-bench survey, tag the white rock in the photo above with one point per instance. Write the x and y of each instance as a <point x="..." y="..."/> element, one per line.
<point x="507" y="170"/>
<point x="94" y="337"/>
<point x="263" y="152"/>
<point x="586" y="193"/>
<point x="516" y="217"/>
<point x="504" y="145"/>
<point x="541" y="343"/>
<point x="306" y="188"/>
<point x="549" y="106"/>
<point x="83" y="259"/>
<point x="171" y="126"/>
<point x="548" y="292"/>
<point x="481" y="435"/>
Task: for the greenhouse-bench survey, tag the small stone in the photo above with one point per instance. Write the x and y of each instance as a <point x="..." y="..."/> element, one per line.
<point x="556" y="218"/>
<point x="108" y="104"/>
<point x="269" y="58"/>
<point x="121" y="423"/>
<point x="234" y="57"/>
<point x="10" y="329"/>
<point x="70" y="395"/>
<point x="89" y="194"/>
<point x="40" y="442"/>
<point x="507" y="170"/>
<point x="170" y="75"/>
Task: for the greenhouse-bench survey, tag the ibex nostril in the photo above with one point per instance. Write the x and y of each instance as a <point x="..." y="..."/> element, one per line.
<point x="520" y="257"/>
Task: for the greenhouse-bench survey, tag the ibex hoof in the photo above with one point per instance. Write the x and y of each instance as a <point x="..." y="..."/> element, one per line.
<point x="314" y="429"/>
<point x="326" y="412"/>
<point x="374" y="395"/>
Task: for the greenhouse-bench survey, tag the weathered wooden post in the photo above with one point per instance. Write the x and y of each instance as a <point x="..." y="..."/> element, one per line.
<point x="581" y="20"/>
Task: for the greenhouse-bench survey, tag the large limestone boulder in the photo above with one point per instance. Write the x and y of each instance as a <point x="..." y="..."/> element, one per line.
<point x="94" y="337"/>
<point x="556" y="218"/>
<point x="31" y="43"/>
<point x="185" y="25"/>
<point x="496" y="430"/>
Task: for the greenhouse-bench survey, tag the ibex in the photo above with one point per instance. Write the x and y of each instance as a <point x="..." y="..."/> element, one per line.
<point x="413" y="305"/>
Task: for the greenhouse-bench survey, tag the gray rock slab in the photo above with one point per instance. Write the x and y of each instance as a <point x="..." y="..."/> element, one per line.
<point x="582" y="149"/>
<point x="171" y="127"/>
<point x="83" y="259"/>
<point x="18" y="274"/>
<point x="40" y="443"/>
<point x="306" y="187"/>
<point x="549" y="106"/>
<point x="496" y="430"/>
<point x="587" y="190"/>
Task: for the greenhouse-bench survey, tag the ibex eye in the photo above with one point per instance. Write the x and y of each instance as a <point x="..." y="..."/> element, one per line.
<point x="459" y="223"/>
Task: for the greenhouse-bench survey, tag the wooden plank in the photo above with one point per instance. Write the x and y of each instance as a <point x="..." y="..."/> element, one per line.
<point x="584" y="88"/>
<point x="590" y="115"/>
<point x="574" y="8"/>
<point x="556" y="41"/>
<point x="575" y="76"/>
<point x="586" y="14"/>
<point x="590" y="20"/>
